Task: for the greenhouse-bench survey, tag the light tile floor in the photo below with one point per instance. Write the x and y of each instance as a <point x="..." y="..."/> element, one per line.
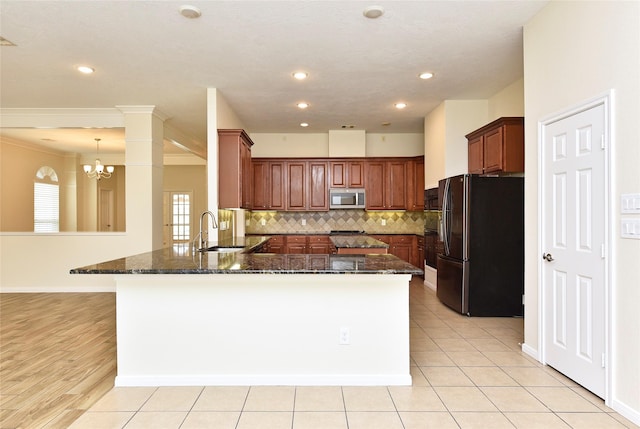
<point x="467" y="373"/>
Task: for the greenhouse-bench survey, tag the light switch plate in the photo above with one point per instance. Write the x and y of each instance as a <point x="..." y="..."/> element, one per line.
<point x="630" y="203"/>
<point x="630" y="228"/>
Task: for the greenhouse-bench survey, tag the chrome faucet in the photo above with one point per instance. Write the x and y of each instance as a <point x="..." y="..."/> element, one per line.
<point x="204" y="232"/>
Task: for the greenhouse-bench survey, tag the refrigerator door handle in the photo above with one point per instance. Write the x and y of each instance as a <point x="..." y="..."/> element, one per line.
<point x="446" y="217"/>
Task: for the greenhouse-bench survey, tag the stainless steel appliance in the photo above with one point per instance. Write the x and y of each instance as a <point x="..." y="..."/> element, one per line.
<point x="481" y="268"/>
<point x="346" y="198"/>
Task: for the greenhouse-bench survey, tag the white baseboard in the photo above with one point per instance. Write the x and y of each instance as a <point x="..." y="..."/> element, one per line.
<point x="626" y="411"/>
<point x="430" y="277"/>
<point x="265" y="380"/>
<point x="57" y="289"/>
<point x="531" y="352"/>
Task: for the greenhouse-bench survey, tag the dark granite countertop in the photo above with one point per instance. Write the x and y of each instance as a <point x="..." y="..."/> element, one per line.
<point x="356" y="241"/>
<point x="182" y="260"/>
<point x="249" y="234"/>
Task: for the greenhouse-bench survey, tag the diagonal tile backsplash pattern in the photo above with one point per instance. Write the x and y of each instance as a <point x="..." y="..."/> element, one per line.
<point x="323" y="222"/>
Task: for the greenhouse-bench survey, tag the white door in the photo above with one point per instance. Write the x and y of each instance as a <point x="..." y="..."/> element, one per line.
<point x="106" y="212"/>
<point x="573" y="240"/>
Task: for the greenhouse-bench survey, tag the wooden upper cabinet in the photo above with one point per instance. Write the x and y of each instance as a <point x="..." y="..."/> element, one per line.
<point x="386" y="185"/>
<point x="260" y="172"/>
<point x="318" y="192"/>
<point x="346" y="174"/>
<point x="268" y="185"/>
<point x="397" y="185"/>
<point x="375" y="185"/>
<point x="476" y="155"/>
<point x="277" y="186"/>
<point x="296" y="180"/>
<point x="497" y="147"/>
<point x="415" y="184"/>
<point x="235" y="174"/>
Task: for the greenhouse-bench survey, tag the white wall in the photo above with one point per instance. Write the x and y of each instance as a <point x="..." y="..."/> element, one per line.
<point x="435" y="141"/>
<point x="274" y="145"/>
<point x="575" y="51"/>
<point x="446" y="148"/>
<point x="508" y="102"/>
<point x="462" y="117"/>
<point x="283" y="145"/>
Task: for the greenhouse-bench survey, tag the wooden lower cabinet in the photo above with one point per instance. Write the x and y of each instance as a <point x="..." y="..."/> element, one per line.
<point x="275" y="244"/>
<point x="318" y="244"/>
<point x="409" y="248"/>
<point x="303" y="244"/>
<point x="295" y="244"/>
<point x="402" y="246"/>
<point x="405" y="247"/>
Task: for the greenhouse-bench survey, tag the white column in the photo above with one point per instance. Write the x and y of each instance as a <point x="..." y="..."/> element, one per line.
<point x="144" y="164"/>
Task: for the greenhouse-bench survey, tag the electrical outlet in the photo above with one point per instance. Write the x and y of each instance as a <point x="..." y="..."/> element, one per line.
<point x="304" y="222"/>
<point x="263" y="222"/>
<point x="345" y="336"/>
<point x="383" y="222"/>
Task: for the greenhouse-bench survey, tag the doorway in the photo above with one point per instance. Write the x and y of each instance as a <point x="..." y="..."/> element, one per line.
<point x="574" y="206"/>
<point x="177" y="218"/>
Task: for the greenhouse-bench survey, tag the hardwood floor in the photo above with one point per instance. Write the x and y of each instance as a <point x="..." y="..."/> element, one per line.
<point x="57" y="356"/>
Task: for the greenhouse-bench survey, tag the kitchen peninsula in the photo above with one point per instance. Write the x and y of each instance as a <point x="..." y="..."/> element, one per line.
<point x="242" y="318"/>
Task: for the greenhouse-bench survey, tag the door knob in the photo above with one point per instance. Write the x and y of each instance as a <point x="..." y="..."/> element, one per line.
<point x="547" y="257"/>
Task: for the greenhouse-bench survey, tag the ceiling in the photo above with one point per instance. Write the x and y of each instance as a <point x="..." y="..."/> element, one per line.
<point x="147" y="53"/>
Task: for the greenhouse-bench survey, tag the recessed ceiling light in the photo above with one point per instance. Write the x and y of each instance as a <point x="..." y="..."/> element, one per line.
<point x="86" y="69"/>
<point x="300" y="75"/>
<point x="304" y="124"/>
<point x="302" y="105"/>
<point x="373" y="12"/>
<point x="425" y="75"/>
<point x="385" y="124"/>
<point x="190" y="12"/>
<point x="400" y="105"/>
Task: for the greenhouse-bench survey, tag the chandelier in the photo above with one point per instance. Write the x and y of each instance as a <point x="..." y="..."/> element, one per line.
<point x="99" y="171"/>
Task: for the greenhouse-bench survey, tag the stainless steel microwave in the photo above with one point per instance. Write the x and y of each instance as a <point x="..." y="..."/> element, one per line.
<point x="346" y="199"/>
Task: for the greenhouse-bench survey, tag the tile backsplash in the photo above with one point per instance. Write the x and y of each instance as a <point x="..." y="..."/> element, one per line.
<point x="319" y="222"/>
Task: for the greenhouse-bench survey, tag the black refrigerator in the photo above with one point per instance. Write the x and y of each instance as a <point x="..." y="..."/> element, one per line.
<point x="481" y="267"/>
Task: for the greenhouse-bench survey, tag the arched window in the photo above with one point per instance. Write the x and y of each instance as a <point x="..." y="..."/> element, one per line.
<point x="46" y="201"/>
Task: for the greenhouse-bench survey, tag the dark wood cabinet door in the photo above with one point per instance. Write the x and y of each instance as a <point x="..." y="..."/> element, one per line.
<point x="476" y="155"/>
<point x="355" y="174"/>
<point x="277" y="189"/>
<point x="397" y="185"/>
<point x="246" y="176"/>
<point x="296" y="185"/>
<point x="402" y="251"/>
<point x="375" y="185"/>
<point x="318" y="191"/>
<point x="337" y="174"/>
<point x="415" y="184"/>
<point x="260" y="172"/>
<point x="493" y="143"/>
